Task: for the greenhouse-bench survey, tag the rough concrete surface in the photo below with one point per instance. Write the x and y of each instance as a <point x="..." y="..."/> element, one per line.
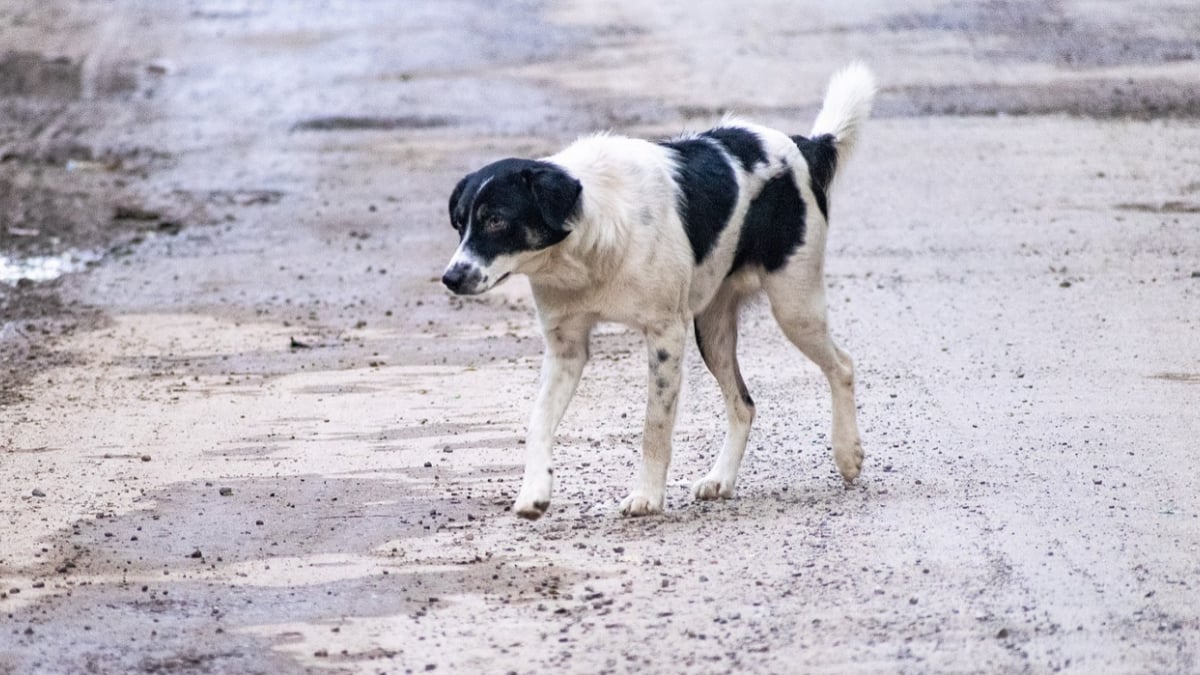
<point x="251" y="432"/>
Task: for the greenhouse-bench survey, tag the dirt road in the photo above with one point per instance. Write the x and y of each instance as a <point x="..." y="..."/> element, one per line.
<point x="252" y="433"/>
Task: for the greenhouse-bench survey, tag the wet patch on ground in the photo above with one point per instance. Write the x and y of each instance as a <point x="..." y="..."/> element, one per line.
<point x="32" y="74"/>
<point x="142" y="597"/>
<point x="1040" y="30"/>
<point x="1094" y="98"/>
<point x="251" y="519"/>
<point x="35" y="317"/>
<point x="169" y="626"/>
<point x="1159" y="207"/>
<point x="67" y="201"/>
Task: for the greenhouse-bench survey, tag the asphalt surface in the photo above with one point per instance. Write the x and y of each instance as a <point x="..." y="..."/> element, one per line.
<point x="250" y="432"/>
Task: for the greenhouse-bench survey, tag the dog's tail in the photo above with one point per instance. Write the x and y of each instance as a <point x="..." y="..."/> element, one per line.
<point x="847" y="105"/>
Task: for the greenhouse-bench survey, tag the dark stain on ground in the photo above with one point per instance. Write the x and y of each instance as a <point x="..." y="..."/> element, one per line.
<point x="33" y="74"/>
<point x="1163" y="207"/>
<point x="1191" y="378"/>
<point x="351" y="123"/>
<point x="166" y="620"/>
<point x="1042" y="30"/>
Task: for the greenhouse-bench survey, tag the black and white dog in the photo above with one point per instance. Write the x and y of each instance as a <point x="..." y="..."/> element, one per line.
<point x="656" y="236"/>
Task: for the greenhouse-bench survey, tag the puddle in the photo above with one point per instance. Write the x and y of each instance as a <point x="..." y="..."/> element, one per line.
<point x="44" y="267"/>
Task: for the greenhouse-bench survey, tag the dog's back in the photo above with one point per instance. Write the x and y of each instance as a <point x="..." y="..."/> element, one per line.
<point x="737" y="198"/>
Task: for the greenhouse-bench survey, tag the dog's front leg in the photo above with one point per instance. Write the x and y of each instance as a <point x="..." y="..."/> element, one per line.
<point x="562" y="366"/>
<point x="665" y="343"/>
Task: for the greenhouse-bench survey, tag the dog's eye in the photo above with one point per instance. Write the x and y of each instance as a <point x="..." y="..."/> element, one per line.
<point x="493" y="224"/>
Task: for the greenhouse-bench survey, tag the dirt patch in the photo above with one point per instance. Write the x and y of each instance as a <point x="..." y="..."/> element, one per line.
<point x="1036" y="30"/>
<point x="1098" y="98"/>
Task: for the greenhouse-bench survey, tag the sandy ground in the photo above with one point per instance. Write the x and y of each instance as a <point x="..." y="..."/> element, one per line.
<point x="256" y="435"/>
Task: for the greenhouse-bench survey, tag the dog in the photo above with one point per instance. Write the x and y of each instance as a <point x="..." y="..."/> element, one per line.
<point x="657" y="236"/>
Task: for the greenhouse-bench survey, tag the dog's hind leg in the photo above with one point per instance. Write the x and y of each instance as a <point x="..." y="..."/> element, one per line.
<point x="562" y="366"/>
<point x="797" y="298"/>
<point x="716" y="336"/>
<point x="665" y="342"/>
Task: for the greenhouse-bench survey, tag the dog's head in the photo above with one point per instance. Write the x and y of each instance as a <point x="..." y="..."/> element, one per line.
<point x="504" y="214"/>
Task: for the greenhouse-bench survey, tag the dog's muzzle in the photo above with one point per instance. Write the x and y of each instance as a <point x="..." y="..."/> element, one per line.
<point x="463" y="278"/>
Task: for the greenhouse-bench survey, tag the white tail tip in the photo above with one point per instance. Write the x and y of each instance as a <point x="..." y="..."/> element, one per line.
<point x="847" y="104"/>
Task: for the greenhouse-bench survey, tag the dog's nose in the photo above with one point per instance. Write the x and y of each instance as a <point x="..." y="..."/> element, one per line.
<point x="455" y="276"/>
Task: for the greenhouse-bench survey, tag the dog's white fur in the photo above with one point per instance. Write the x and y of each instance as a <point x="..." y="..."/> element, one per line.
<point x="628" y="260"/>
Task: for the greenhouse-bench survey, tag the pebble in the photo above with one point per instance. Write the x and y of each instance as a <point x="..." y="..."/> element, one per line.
<point x="38" y="493"/>
<point x="225" y="491"/>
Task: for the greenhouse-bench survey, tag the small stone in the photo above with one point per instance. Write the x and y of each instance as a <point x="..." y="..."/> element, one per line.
<point x="197" y="554"/>
<point x="38" y="493"/>
<point x="145" y="458"/>
<point x="225" y="491"/>
<point x="1065" y="284"/>
<point x="1002" y="633"/>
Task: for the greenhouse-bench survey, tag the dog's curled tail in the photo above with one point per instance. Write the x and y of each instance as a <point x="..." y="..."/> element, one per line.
<point x="847" y="104"/>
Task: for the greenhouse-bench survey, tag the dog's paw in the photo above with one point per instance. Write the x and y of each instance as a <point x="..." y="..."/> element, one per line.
<point x="638" y="504"/>
<point x="849" y="460"/>
<point x="712" y="487"/>
<point x="529" y="509"/>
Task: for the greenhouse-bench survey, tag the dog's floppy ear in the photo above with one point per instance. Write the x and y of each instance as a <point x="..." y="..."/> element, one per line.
<point x="454" y="197"/>
<point x="556" y="194"/>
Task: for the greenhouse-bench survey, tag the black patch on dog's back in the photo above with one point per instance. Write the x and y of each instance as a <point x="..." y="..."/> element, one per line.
<point x="822" y="156"/>
<point x="708" y="191"/>
<point x="740" y="143"/>
<point x="774" y="226"/>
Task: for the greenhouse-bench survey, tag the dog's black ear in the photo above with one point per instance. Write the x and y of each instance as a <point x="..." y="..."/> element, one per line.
<point x="456" y="218"/>
<point x="556" y="194"/>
